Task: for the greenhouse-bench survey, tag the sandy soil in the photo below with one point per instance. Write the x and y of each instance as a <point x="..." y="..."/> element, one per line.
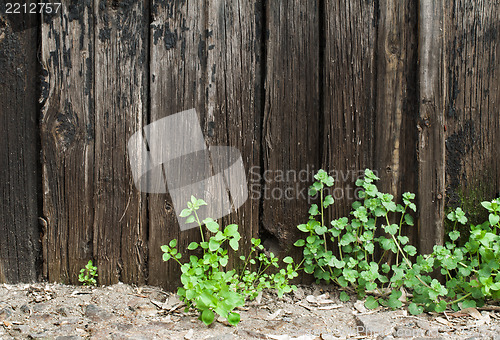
<point x="54" y="311"/>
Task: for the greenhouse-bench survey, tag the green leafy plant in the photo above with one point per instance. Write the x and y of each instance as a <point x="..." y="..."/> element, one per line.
<point x="470" y="271"/>
<point x="354" y="267"/>
<point x="88" y="274"/>
<point x="212" y="288"/>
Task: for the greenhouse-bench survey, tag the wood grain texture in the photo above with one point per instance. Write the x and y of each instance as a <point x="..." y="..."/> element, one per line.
<point x="204" y="56"/>
<point x="290" y="136"/>
<point x="234" y="88"/>
<point x="350" y="85"/>
<point x="293" y="85"/>
<point x="178" y="71"/>
<point x="68" y="138"/>
<point x="472" y="95"/>
<point x="120" y="94"/>
<point x="395" y="142"/>
<point x="431" y="146"/>
<point x="19" y="145"/>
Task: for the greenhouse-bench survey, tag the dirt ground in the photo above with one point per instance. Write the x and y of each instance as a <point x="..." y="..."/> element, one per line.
<point x="54" y="311"/>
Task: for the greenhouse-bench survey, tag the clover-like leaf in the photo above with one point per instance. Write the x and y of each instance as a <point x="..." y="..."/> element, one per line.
<point x="344" y="297"/>
<point x="454" y="235"/>
<point x="493" y="219"/>
<point x="211" y="225"/>
<point x="415" y="309"/>
<point x="233" y="243"/>
<point x="313" y="211"/>
<point x="391" y="229"/>
<point x="371" y="302"/>
<point x="328" y="201"/>
<point x="193" y="245"/>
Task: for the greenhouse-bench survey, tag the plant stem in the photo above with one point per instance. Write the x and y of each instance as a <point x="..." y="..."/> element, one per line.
<point x="201" y="229"/>
<point x="323" y="219"/>
<point x="458" y="300"/>
<point x="397" y="243"/>
<point x="340" y="248"/>
<point x="408" y="262"/>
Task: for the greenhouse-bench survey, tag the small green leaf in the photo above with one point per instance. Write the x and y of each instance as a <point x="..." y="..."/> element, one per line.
<point x="193" y="246"/>
<point x="454" y="235"/>
<point x="371" y="302"/>
<point x="312" y="191"/>
<point x="391" y="229"/>
<point x="328" y="201"/>
<point x="300" y="243"/>
<point x="313" y="211"/>
<point x="185" y="212"/>
<point x="231" y="230"/>
<point x="487" y="205"/>
<point x="468" y="304"/>
<point x="172" y="243"/>
<point x="415" y="309"/>
<point x="213" y="245"/>
<point x="166" y="256"/>
<point x="223" y="261"/>
<point x="394" y="303"/>
<point x="288" y="259"/>
<point x="403" y="239"/>
<point x="494" y="219"/>
<point x="344" y="296"/>
<point x="303" y="228"/>
<point x="211" y="225"/>
<point x="409" y="219"/>
<point x="207" y="316"/>
<point x="200" y="202"/>
<point x="233" y="243"/>
<point x="190" y="219"/>
<point x="440" y="307"/>
<point x="233" y="318"/>
<point x="410" y="250"/>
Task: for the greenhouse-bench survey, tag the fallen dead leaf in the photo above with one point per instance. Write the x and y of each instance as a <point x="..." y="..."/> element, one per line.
<point x="443" y="321"/>
<point x="319" y="300"/>
<point x="360" y="306"/>
<point x="274" y="315"/>
<point x="329" y="307"/>
<point x="472" y="312"/>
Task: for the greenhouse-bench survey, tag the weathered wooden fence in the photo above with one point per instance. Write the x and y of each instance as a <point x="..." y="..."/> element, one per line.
<point x="408" y="88"/>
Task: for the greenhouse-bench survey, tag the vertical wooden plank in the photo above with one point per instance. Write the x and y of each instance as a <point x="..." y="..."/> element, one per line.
<point x="205" y="56"/>
<point x="67" y="139"/>
<point x="349" y="95"/>
<point x="471" y="105"/>
<point x="177" y="76"/>
<point x="233" y="115"/>
<point x="121" y="55"/>
<point x="19" y="174"/>
<point x="431" y="146"/>
<point x="290" y="138"/>
<point x="396" y="100"/>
